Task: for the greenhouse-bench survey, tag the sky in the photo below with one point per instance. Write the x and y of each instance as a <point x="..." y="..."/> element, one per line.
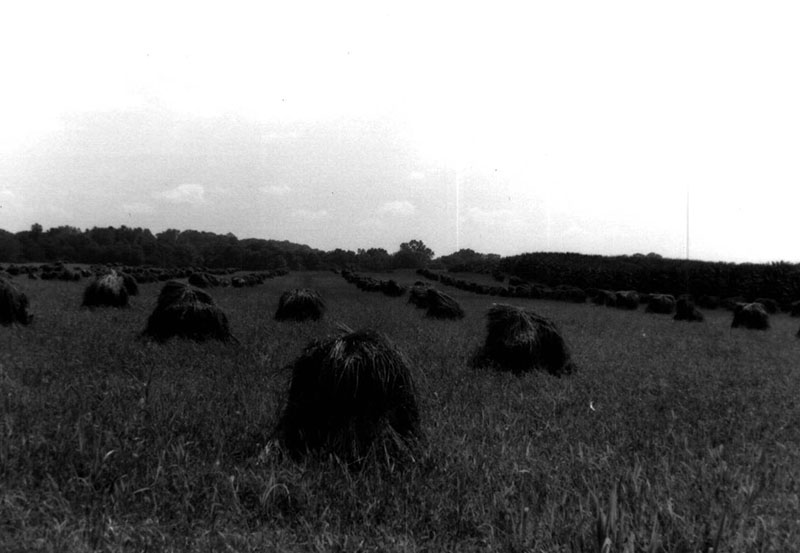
<point x="593" y="127"/>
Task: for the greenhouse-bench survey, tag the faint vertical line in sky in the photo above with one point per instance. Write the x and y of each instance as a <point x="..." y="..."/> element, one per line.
<point x="547" y="212"/>
<point x="687" y="222"/>
<point x="458" y="207"/>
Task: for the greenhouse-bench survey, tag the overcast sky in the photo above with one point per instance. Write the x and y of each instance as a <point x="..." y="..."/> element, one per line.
<point x="505" y="128"/>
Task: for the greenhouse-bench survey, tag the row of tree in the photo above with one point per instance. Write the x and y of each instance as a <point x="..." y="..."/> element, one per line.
<point x="175" y="248"/>
<point x="654" y="274"/>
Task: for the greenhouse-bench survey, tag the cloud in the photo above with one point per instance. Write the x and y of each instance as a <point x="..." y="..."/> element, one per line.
<point x="12" y="210"/>
<point x="57" y="211"/>
<point x="574" y="230"/>
<point x="276" y="190"/>
<point x="137" y="208"/>
<point x="184" y="194"/>
<point x="372" y="223"/>
<point x="416" y="175"/>
<point x="398" y="207"/>
<point x="7" y="197"/>
<point x="310" y="214"/>
<point x="492" y="217"/>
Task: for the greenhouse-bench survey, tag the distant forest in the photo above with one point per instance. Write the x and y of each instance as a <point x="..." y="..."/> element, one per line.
<point x="653" y="274"/>
<point x="650" y="273"/>
<point x="175" y="248"/>
<point x="191" y="248"/>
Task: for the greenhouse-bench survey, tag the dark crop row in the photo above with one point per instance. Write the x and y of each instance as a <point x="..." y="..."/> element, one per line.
<point x="622" y="299"/>
<point x="201" y="277"/>
<point x="369" y="284"/>
<point x="517" y="288"/>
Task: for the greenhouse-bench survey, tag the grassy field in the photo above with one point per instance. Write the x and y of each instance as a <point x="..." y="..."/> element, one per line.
<point x="670" y="436"/>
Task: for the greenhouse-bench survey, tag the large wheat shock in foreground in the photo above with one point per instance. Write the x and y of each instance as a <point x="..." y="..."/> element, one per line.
<point x="352" y="396"/>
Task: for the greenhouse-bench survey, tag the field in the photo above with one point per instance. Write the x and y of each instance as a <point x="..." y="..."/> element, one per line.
<point x="669" y="437"/>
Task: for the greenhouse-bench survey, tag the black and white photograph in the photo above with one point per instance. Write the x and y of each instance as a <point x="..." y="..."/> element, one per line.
<point x="400" y="277"/>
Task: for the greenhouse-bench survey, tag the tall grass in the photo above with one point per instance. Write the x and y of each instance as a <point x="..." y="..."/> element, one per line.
<point x="669" y="437"/>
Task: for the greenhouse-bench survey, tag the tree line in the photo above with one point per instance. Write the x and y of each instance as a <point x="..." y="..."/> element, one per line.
<point x="653" y="274"/>
<point x="176" y="248"/>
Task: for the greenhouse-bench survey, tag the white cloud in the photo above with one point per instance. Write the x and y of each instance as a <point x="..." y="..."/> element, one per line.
<point x="184" y="194"/>
<point x="58" y="212"/>
<point x="275" y="137"/>
<point x="398" y="207"/>
<point x="13" y="215"/>
<point x="276" y="190"/>
<point x="7" y="196"/>
<point x="573" y="231"/>
<point x="492" y="217"/>
<point x="372" y="223"/>
<point x="416" y="175"/>
<point x="311" y="214"/>
<point x="137" y="208"/>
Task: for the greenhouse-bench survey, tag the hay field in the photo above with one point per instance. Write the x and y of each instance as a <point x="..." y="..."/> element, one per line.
<point x="670" y="436"/>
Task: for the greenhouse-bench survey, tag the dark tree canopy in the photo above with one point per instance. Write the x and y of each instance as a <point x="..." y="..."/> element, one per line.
<point x="645" y="273"/>
<point x="413" y="254"/>
<point x="170" y="248"/>
<point x="374" y="259"/>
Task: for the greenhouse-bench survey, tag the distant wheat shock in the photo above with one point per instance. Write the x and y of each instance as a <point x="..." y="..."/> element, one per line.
<point x="627" y="299"/>
<point x="661" y="303"/>
<point x="392" y="288"/>
<point x="13" y="304"/>
<point x="520" y="341"/>
<point x="186" y="312"/>
<point x="442" y="306"/>
<point x="686" y="311"/>
<point x="418" y="295"/>
<point x="108" y="290"/>
<point x="750" y="315"/>
<point x="300" y="304"/>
